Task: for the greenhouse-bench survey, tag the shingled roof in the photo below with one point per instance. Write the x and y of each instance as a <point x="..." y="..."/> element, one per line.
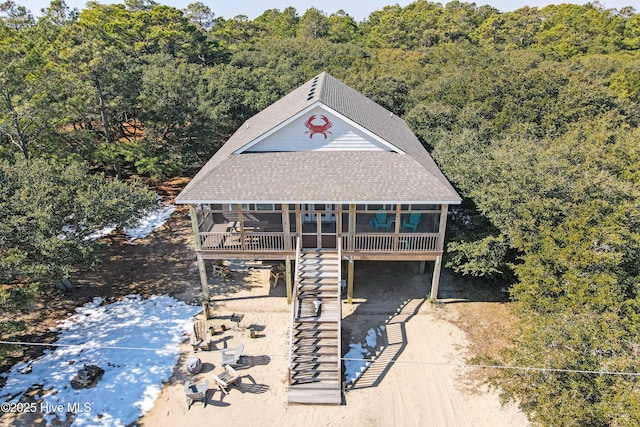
<point x="407" y="175"/>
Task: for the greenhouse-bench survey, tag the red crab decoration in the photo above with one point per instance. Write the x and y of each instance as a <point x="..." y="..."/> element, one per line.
<point x="314" y="128"/>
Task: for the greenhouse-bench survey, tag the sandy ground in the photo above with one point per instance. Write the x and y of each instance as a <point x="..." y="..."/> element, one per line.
<point x="415" y="381"/>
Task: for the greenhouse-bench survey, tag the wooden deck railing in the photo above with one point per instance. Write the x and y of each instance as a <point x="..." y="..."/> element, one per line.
<point x="385" y="242"/>
<point x="360" y="242"/>
<point x="294" y="306"/>
<point x="252" y="242"/>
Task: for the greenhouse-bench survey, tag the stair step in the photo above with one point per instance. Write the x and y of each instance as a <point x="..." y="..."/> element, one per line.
<point x="325" y="297"/>
<point x="310" y="254"/>
<point x="324" y="359"/>
<point x="313" y="366"/>
<point x="317" y="334"/>
<point x="327" y="285"/>
<point x="321" y="342"/>
<point x="314" y="376"/>
<point x="329" y="365"/>
<point x="316" y="346"/>
<point x="316" y="352"/>
<point x="321" y="362"/>
<point x="319" y="278"/>
<point x="315" y="320"/>
<point x="319" y="260"/>
<point x="332" y="332"/>
<point x="325" y="384"/>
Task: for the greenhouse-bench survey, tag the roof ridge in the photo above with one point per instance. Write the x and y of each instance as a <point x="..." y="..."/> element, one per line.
<point x="341" y="98"/>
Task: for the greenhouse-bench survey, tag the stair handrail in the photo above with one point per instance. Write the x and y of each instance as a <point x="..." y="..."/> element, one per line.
<point x="339" y="306"/>
<point x="294" y="305"/>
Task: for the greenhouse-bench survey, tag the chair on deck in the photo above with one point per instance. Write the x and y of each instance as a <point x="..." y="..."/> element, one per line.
<point x="232" y="356"/>
<point x="412" y="221"/>
<point x="196" y="393"/>
<point x="226" y="379"/>
<point x="381" y="220"/>
<point x="200" y="339"/>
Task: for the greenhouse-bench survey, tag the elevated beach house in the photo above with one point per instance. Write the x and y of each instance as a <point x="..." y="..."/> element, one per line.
<point x="320" y="179"/>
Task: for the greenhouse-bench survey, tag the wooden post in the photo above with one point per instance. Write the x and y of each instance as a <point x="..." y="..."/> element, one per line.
<point x="352" y="226"/>
<point x="339" y="222"/>
<point x="286" y="227"/>
<point x="196" y="228"/>
<point x="442" y="227"/>
<point x="396" y="239"/>
<point x="241" y="220"/>
<point x="435" y="280"/>
<point x="350" y="281"/>
<point x="203" y="277"/>
<point x="422" y="267"/>
<point x="318" y="228"/>
<point x="299" y="222"/>
<point x="287" y="279"/>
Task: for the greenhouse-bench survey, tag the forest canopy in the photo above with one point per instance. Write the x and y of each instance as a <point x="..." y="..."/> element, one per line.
<point x="532" y="114"/>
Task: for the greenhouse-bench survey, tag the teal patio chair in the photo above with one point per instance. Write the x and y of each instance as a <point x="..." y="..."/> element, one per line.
<point x="412" y="221"/>
<point x="381" y="221"/>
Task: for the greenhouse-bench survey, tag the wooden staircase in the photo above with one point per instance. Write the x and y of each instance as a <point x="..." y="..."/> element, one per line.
<point x="315" y="366"/>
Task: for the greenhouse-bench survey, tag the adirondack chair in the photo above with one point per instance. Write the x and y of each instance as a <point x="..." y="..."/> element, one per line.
<point x="232" y="356"/>
<point x="381" y="221"/>
<point x="196" y="393"/>
<point x="200" y="339"/>
<point x="226" y="379"/>
<point x="412" y="221"/>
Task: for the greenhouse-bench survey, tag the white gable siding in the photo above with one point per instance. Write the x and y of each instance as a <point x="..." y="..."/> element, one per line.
<point x="296" y="136"/>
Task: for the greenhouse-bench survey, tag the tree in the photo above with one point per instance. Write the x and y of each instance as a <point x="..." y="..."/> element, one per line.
<point x="342" y="28"/>
<point x="14" y="16"/>
<point x="58" y="13"/>
<point x="200" y="14"/>
<point x="313" y="24"/>
<point x="49" y="212"/>
<point x="177" y="131"/>
<point x="279" y="24"/>
<point x="30" y="103"/>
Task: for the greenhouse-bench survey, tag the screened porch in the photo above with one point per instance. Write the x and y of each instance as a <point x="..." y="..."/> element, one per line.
<point x="364" y="228"/>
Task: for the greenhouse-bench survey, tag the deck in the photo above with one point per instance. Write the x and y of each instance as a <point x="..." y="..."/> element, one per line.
<point x="282" y="244"/>
<point x="243" y="231"/>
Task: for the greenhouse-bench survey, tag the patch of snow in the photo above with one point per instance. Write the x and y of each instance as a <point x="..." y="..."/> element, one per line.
<point x="99" y="234"/>
<point x="371" y="338"/>
<point x="354" y="363"/>
<point x="356" y="360"/>
<point x="153" y="220"/>
<point x="104" y="335"/>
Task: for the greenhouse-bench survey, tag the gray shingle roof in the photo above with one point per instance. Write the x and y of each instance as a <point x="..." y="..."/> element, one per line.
<point x="322" y="176"/>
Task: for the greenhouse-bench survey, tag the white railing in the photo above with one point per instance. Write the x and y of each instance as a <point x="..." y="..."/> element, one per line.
<point x="339" y="302"/>
<point x="279" y="242"/>
<point x="252" y="242"/>
<point x="386" y="242"/>
<point x="294" y="305"/>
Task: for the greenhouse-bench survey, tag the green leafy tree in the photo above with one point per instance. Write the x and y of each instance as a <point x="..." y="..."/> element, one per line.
<point x="342" y="28"/>
<point x="15" y="17"/>
<point x="200" y="14"/>
<point x="49" y="212"/>
<point x="313" y="24"/>
<point x="279" y="24"/>
<point x="178" y="130"/>
<point x="30" y="103"/>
